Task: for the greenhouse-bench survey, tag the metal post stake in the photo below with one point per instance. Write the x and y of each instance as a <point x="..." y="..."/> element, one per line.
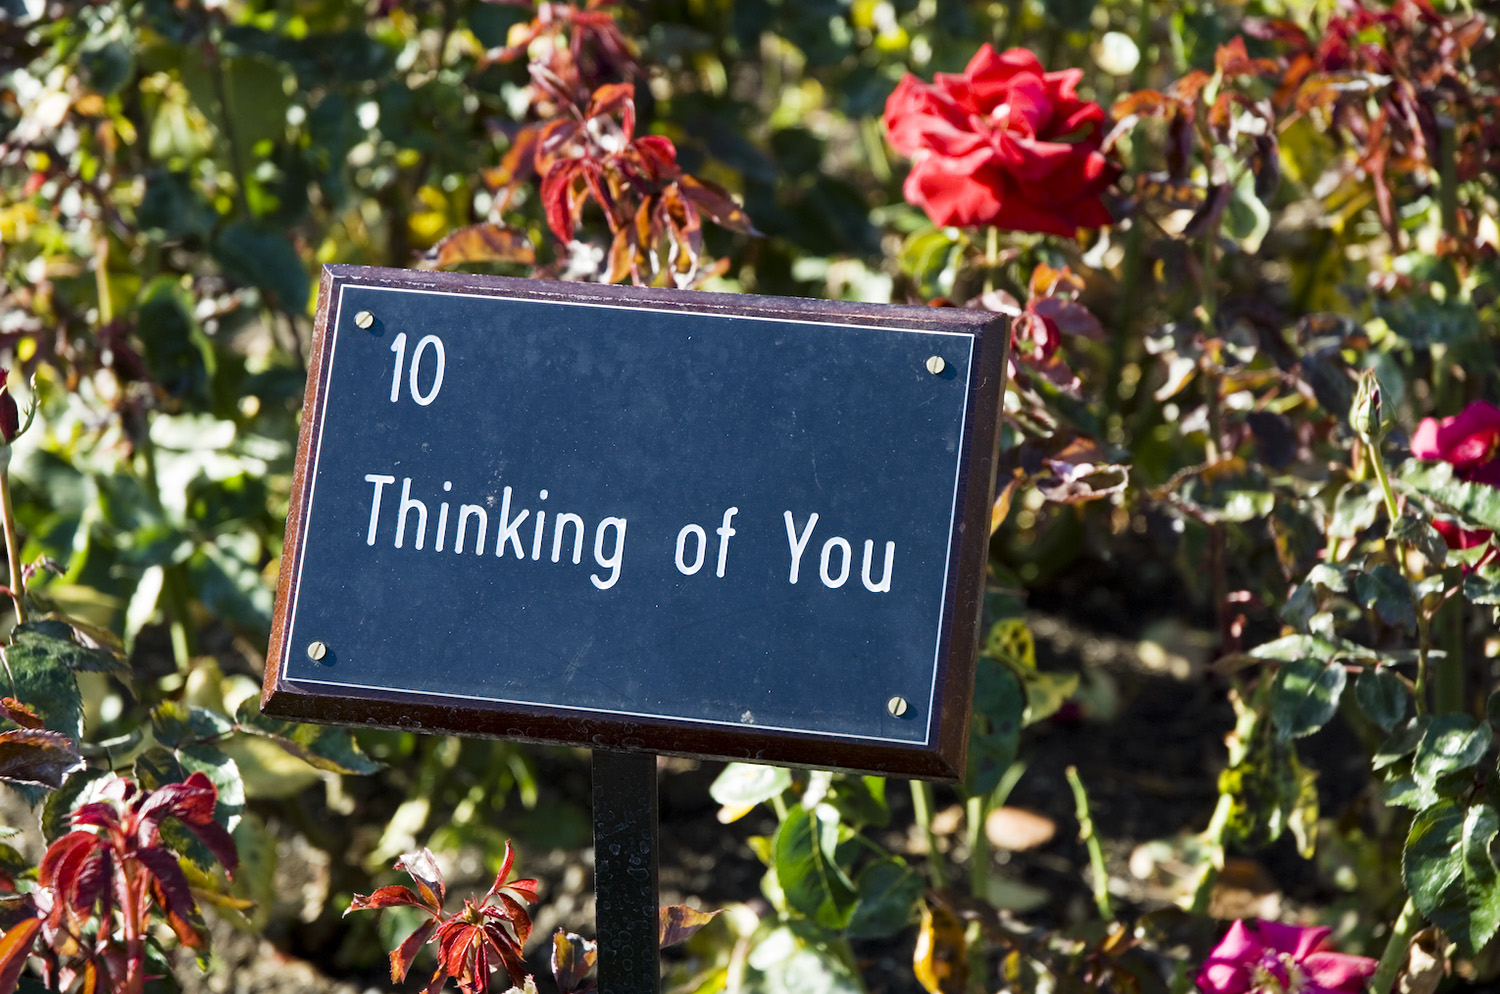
<point x="625" y="897"/>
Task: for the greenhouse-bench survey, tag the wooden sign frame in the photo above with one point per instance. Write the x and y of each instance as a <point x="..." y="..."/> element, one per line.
<point x="941" y="756"/>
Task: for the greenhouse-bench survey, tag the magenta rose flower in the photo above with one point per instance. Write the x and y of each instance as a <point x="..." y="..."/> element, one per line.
<point x="1005" y="144"/>
<point x="1271" y="958"/>
<point x="1470" y="441"/>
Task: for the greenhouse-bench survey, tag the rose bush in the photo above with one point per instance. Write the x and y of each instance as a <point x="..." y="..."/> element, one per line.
<point x="1469" y="441"/>
<point x="1266" y="957"/>
<point x="1004" y="144"/>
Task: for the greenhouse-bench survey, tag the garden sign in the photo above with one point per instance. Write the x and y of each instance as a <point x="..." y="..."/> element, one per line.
<point x="713" y="525"/>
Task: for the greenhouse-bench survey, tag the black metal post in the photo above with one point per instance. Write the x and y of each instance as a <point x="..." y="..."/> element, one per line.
<point x="625" y="897"/>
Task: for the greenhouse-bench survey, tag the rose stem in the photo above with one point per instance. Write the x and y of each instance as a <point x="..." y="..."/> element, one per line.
<point x="921" y="800"/>
<point x="1096" y="854"/>
<point x="1395" y="949"/>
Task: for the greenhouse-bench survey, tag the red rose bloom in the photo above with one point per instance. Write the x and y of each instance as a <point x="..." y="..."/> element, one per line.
<point x="1005" y="144"/>
<point x="1469" y="441"/>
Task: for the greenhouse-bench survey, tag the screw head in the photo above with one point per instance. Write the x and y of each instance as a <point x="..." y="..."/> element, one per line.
<point x="316" y="650"/>
<point x="936" y="365"/>
<point x="364" y="319"/>
<point x="897" y="705"/>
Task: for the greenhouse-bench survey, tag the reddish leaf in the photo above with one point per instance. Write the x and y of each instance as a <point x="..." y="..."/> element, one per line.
<point x="573" y="959"/>
<point x="1145" y="103"/>
<point x="615" y="98"/>
<point x="22" y="714"/>
<point x="401" y="957"/>
<point x="29" y="755"/>
<point x="392" y="896"/>
<point x="557" y="199"/>
<point x="517" y="916"/>
<point x="715" y="201"/>
<point x="658" y="157"/>
<point x="485" y="242"/>
<point x="423" y="868"/>
<point x="170" y="888"/>
<point x="679" y="921"/>
<point x="1069" y="317"/>
<point x="191" y="802"/>
<point x="15" y="949"/>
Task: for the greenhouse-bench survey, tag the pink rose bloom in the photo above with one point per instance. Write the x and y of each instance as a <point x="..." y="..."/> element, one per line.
<point x="1271" y="958"/>
<point x="1005" y="143"/>
<point x="1469" y="441"/>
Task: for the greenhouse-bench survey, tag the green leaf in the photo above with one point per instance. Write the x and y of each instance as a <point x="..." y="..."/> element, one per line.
<point x="1481" y="876"/>
<point x="1046" y="693"/>
<point x="859" y="800"/>
<point x="1389" y="594"/>
<point x="1452" y="743"/>
<point x="744" y="785"/>
<point x="57" y="639"/>
<point x="1304" y="696"/>
<point x="57" y="813"/>
<point x="1247" y="220"/>
<point x="1382" y="696"/>
<point x="806" y="873"/>
<point x="995" y="727"/>
<point x="1291" y="648"/>
<point x="1483" y="586"/>
<point x="39" y="675"/>
<point x="1307" y="600"/>
<point x="1415" y="530"/>
<point x="1354" y="509"/>
<point x="888" y="894"/>
<point x="1476" y="503"/>
<point x="1402" y="743"/>
<point x="263" y="257"/>
<point x="175" y="724"/>
<point x="1450" y="874"/>
<point x="1405" y="792"/>
<point x="321" y="746"/>
<point x="791" y="961"/>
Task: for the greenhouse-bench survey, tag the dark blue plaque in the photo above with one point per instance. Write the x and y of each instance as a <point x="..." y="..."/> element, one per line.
<point x="729" y="526"/>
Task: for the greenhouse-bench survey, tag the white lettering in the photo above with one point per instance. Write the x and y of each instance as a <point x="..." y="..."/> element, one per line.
<point x="702" y="540"/>
<point x="724" y="532"/>
<point x="416" y="364"/>
<point x="509" y="530"/>
<point x="380" y="482"/>
<point x="798" y="544"/>
<point x="613" y="562"/>
<point x="408" y="503"/>
<point x="884" y="586"/>
<point x="464" y="512"/>
<point x="557" y="536"/>
<point x="828" y="547"/>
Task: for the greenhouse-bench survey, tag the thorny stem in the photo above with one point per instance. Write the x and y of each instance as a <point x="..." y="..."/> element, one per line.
<point x="921" y="801"/>
<point x="1395" y="949"/>
<point x="1096" y="854"/>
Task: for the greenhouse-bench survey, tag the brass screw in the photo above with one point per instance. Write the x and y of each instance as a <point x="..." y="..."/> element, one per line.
<point x="364" y="319"/>
<point x="897" y="705"/>
<point x="936" y="365"/>
<point x="316" y="650"/>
